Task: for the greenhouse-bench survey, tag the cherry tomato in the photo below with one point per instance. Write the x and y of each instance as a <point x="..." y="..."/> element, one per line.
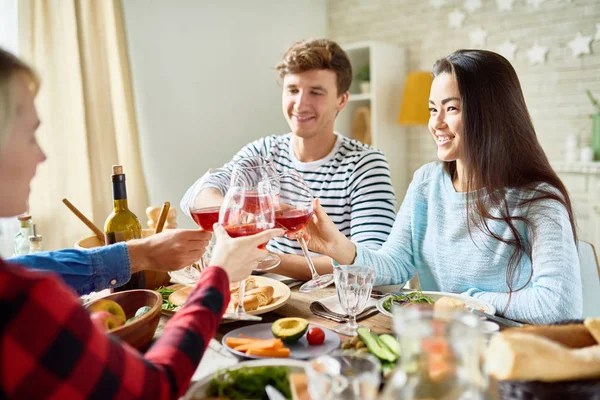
<point x="315" y="336"/>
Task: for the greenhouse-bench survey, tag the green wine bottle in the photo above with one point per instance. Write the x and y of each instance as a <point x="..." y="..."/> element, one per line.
<point x="122" y="225"/>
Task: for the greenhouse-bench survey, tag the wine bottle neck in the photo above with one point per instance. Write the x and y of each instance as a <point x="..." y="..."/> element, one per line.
<point x="120" y="205"/>
<point x="119" y="192"/>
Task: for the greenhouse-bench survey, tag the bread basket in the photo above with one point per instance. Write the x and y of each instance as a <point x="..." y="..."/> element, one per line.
<point x="536" y="390"/>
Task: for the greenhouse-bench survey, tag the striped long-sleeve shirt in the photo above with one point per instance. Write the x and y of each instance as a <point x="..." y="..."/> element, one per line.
<point x="352" y="183"/>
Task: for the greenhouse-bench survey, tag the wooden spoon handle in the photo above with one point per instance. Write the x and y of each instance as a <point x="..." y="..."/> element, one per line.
<point x="163" y="217"/>
<point x="99" y="234"/>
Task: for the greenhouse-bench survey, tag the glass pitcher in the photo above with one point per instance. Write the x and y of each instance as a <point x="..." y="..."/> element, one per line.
<point x="440" y="356"/>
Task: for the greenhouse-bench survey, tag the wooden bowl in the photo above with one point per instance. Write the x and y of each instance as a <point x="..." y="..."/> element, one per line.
<point x="138" y="333"/>
<point x="154" y="279"/>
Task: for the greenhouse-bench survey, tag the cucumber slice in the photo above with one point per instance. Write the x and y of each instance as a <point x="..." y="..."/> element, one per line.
<point x="376" y="348"/>
<point x="391" y="343"/>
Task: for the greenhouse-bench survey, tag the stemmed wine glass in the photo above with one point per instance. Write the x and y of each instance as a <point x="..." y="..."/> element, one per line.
<point x="353" y="285"/>
<point x="293" y="211"/>
<point x="250" y="172"/>
<point x="205" y="216"/>
<point x="246" y="212"/>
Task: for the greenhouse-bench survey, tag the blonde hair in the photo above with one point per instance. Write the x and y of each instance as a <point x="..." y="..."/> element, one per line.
<point x="12" y="69"/>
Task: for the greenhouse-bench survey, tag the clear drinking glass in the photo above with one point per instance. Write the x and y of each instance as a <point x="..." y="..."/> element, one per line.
<point x="292" y="212"/>
<point x="250" y="172"/>
<point x="246" y="212"/>
<point x="440" y="358"/>
<point x="344" y="376"/>
<point x="353" y="285"/>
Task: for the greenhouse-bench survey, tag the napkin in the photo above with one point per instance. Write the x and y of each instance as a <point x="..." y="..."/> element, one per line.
<point x="332" y="305"/>
<point x="329" y="307"/>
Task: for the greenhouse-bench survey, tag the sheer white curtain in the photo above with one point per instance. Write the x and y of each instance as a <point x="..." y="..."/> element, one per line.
<point x="8" y="41"/>
<point x="87" y="112"/>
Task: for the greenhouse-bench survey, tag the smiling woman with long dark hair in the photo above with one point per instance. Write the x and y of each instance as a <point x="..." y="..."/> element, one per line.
<point x="492" y="219"/>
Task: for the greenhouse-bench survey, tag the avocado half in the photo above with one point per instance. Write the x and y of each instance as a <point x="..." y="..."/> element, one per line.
<point x="289" y="330"/>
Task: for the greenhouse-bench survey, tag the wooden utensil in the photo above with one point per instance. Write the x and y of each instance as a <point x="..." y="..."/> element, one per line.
<point x="163" y="217"/>
<point x="84" y="219"/>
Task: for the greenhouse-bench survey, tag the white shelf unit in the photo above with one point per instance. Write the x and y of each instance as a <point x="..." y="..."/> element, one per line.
<point x="387" y="63"/>
<point x="583" y="183"/>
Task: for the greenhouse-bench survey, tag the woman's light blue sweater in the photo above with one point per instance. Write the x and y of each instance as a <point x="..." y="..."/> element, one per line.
<point x="430" y="238"/>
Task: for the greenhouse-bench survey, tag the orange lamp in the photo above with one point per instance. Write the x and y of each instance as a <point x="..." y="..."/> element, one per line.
<point x="414" y="110"/>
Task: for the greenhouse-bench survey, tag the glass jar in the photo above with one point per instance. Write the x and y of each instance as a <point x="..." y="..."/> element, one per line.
<point x="21" y="241"/>
<point x="35" y="242"/>
<point x="440" y="356"/>
<point x="344" y="376"/>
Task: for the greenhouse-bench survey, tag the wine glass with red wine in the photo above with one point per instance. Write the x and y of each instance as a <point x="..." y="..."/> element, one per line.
<point x="246" y="212"/>
<point x="292" y="212"/>
<point x="251" y="172"/>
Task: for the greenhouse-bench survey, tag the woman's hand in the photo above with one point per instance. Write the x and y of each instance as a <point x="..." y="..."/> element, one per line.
<point x="239" y="256"/>
<point x="325" y="238"/>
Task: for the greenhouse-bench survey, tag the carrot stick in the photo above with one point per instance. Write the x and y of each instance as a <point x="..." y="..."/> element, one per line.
<point x="249" y="337"/>
<point x="234" y="342"/>
<point x="282" y="352"/>
<point x="262" y="344"/>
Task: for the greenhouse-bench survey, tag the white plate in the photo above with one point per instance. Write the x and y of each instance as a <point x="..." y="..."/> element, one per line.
<point x="198" y="389"/>
<point x="469" y="301"/>
<point x="299" y="350"/>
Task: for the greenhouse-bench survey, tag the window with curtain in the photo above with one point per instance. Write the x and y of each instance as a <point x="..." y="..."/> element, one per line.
<point x="8" y="41"/>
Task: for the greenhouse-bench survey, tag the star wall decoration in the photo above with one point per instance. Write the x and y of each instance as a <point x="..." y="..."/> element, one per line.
<point x="535" y="3"/>
<point x="437" y="4"/>
<point x="472" y="5"/>
<point x="508" y="49"/>
<point x="597" y="37"/>
<point x="456" y="18"/>
<point x="537" y="54"/>
<point x="505" y="5"/>
<point x="478" y="37"/>
<point x="580" y="45"/>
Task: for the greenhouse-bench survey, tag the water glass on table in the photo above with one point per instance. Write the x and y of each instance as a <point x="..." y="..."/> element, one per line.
<point x="353" y="285"/>
<point x="343" y="376"/>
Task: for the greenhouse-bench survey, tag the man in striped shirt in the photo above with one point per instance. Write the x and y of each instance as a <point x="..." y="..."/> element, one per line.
<point x="350" y="179"/>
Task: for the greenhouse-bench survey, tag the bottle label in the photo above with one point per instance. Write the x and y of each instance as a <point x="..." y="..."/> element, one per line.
<point x="115" y="237"/>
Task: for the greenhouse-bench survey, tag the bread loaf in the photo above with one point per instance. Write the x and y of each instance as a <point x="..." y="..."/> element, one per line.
<point x="250" y="284"/>
<point x="593" y="326"/>
<point x="571" y="335"/>
<point x="264" y="294"/>
<point x="251" y="303"/>
<point x="180" y="296"/>
<point x="528" y="357"/>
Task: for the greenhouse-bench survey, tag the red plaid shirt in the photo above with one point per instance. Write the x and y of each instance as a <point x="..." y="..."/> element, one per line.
<point x="50" y="348"/>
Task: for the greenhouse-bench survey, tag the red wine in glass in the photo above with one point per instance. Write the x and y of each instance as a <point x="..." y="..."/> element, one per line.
<point x="244" y="230"/>
<point x="254" y="203"/>
<point x="206" y="217"/>
<point x="292" y="219"/>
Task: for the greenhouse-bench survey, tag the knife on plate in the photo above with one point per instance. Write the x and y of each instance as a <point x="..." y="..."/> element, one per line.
<point x="273" y="393"/>
<point x="495" y="318"/>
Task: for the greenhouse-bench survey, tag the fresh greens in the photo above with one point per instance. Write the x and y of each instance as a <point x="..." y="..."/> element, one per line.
<point x="249" y="383"/>
<point x="166" y="304"/>
<point x="404" y="299"/>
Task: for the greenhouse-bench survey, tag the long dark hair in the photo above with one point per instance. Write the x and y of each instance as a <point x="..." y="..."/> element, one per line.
<point x="500" y="151"/>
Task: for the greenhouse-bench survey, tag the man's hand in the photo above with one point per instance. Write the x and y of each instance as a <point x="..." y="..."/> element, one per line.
<point x="169" y="250"/>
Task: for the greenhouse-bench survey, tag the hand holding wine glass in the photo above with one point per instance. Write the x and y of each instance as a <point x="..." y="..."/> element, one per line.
<point x="246" y="212"/>
<point x="239" y="256"/>
<point x="323" y="237"/>
<point x="294" y="211"/>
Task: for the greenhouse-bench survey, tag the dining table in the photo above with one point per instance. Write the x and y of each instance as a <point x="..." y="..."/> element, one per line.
<point x="298" y="305"/>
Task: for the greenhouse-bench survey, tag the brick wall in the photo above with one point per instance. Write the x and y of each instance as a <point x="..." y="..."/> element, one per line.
<point x="554" y="91"/>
